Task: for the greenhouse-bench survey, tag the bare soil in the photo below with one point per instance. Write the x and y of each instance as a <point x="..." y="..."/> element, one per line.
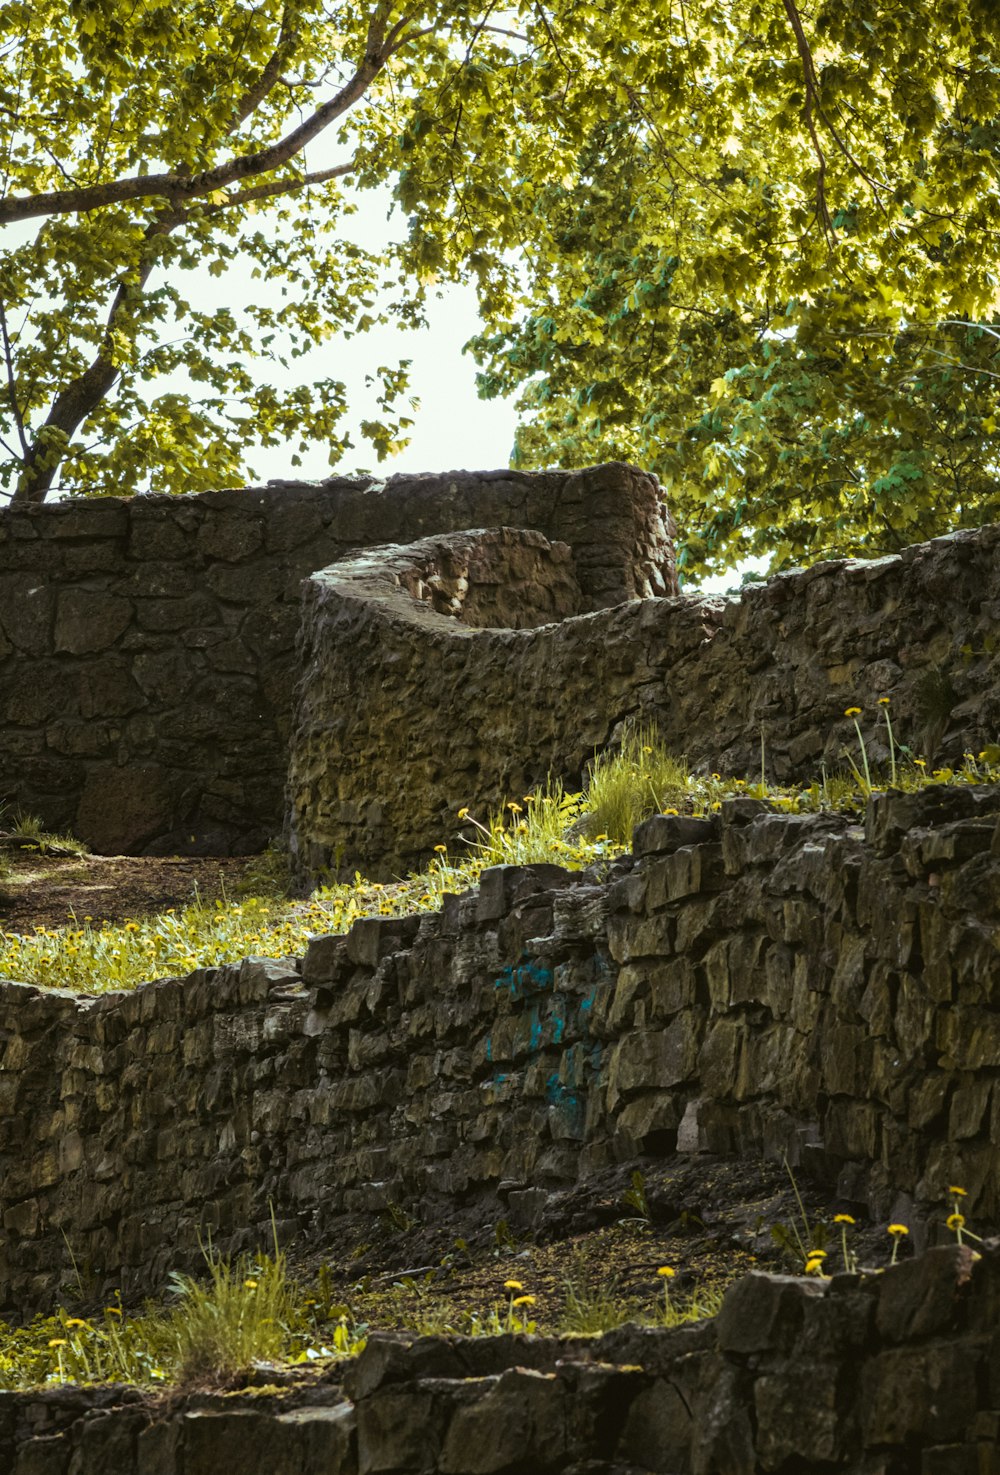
<point x="38" y="890"/>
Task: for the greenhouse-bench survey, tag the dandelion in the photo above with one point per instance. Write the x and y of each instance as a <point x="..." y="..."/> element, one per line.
<point x="956" y="1222"/>
<point x="852" y="712"/>
<point x="74" y="1321"/>
<point x="523" y="1301"/>
<point x="898" y="1231"/>
<point x="883" y="701"/>
<point x="441" y="849"/>
<point x="514" y="808"/>
<point x="463" y="813"/>
<point x="846" y="1222"/>
<point x="814" y="1263"/>
<point x="513" y="1285"/>
<point x="251" y="1285"/>
<point x="958" y="1192"/>
<point x="58" y="1342"/>
<point x="667" y="1270"/>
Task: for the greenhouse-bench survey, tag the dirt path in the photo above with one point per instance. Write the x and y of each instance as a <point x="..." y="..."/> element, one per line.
<point x="49" y="891"/>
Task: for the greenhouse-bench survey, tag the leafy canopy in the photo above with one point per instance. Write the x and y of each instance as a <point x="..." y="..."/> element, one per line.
<point x="752" y="247"/>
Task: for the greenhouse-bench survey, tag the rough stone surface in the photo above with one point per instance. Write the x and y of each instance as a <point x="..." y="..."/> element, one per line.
<point x="791" y="985"/>
<point x="469" y="716"/>
<point x="147" y="644"/>
<point x="763" y="1389"/>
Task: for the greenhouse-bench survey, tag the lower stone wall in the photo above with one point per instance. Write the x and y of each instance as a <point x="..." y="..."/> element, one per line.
<point x="896" y="1373"/>
<point x="380" y="764"/>
<point x="752" y="983"/>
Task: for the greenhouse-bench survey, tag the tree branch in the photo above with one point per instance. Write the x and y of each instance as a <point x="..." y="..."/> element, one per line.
<point x="8" y="354"/>
<point x="271" y="73"/>
<point x="179" y="189"/>
<point x="81" y="396"/>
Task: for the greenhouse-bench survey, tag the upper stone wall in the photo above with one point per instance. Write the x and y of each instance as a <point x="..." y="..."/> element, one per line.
<point x="474" y="717"/>
<point x="147" y="644"/>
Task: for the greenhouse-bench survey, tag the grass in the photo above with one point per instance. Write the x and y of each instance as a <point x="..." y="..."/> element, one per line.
<point x="575" y="830"/>
<point x="29" y="831"/>
<point x="250" y="1314"/>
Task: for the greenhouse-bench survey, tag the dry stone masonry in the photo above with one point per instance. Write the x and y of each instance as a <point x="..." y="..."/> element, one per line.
<point x="753" y="983"/>
<point x="897" y="1374"/>
<point x="463" y="715"/>
<point x="147" y="644"/>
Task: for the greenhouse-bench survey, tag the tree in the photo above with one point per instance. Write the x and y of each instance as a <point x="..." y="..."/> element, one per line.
<point x="760" y="256"/>
<point x="140" y="142"/>
<point x="752" y="247"/>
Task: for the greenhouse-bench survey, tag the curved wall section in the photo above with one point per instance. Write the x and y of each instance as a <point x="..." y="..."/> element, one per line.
<point x="147" y="644"/>
<point x="403" y="715"/>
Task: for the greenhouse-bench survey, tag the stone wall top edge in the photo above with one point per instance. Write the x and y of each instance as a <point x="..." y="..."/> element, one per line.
<point x="888" y="817"/>
<point x="397" y="485"/>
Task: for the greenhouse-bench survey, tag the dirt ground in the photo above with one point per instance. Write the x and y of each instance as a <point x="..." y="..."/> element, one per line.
<point x="40" y="890"/>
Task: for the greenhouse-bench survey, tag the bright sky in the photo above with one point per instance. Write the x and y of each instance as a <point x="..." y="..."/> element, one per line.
<point x="454" y="429"/>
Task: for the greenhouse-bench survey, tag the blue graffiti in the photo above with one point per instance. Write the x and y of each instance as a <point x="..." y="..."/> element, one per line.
<point x="523" y="979"/>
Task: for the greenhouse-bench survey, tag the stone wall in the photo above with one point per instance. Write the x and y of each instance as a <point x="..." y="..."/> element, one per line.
<point x="896" y="1373"/>
<point x="753" y="983"/>
<point x="147" y="644"/>
<point x="474" y="717"/>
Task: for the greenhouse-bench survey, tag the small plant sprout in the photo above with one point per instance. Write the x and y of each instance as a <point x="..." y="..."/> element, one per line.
<point x="865" y="782"/>
<point x="850" y="1258"/>
<point x="898" y="1232"/>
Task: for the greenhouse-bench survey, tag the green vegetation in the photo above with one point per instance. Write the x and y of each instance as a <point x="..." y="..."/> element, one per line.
<point x="573" y="830"/>
<point x="753" y="247"/>
<point x="251" y="1313"/>
<point x="26" y="832"/>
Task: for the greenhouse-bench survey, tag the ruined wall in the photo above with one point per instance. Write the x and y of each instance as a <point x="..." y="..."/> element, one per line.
<point x="147" y="644"/>
<point x="893" y="1373"/>
<point x="753" y="983"/>
<point x="466" y="716"/>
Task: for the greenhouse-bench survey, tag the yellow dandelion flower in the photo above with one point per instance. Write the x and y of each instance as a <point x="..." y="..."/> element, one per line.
<point x="251" y="1285"/>
<point x="666" y="1270"/>
<point x="463" y="813"/>
<point x="58" y="1342"/>
<point x="513" y="1285"/>
<point x="842" y="1219"/>
<point x="75" y="1321"/>
<point x="441" y="849"/>
<point x="112" y="1311"/>
<point x="852" y="711"/>
<point x="955" y="1221"/>
<point x="523" y="1301"/>
<point x="897" y="1230"/>
<point x="958" y="1192"/>
<point x="883" y="701"/>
